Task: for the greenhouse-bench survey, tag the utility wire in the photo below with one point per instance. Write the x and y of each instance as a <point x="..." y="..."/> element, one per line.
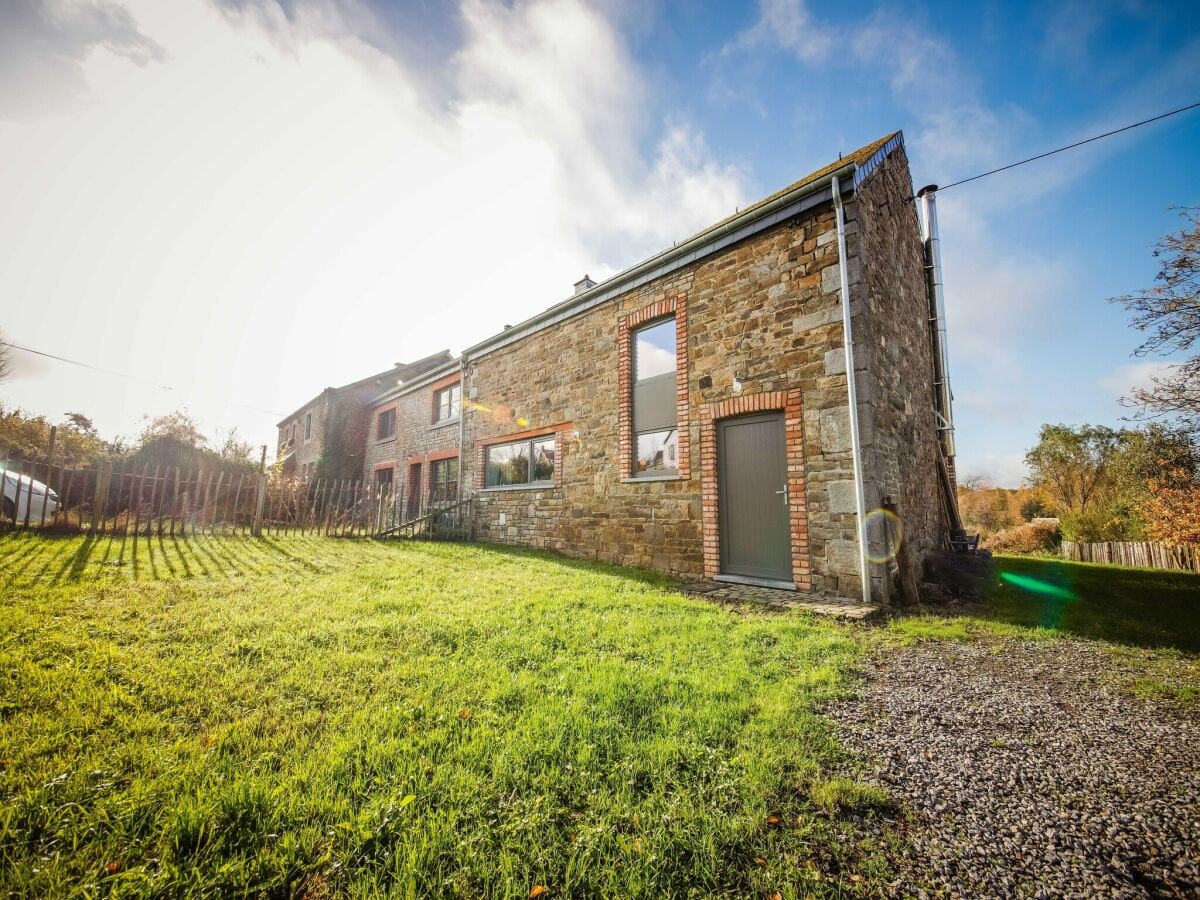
<point x="1165" y="115"/>
<point x="165" y="387"/>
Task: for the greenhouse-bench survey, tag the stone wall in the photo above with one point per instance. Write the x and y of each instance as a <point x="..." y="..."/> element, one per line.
<point x="306" y="452"/>
<point x="902" y="459"/>
<point x="764" y="314"/>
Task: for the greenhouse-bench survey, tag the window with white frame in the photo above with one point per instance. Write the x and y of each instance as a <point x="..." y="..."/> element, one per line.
<point x="443" y="480"/>
<point x="528" y="462"/>
<point x="655" y="412"/>
<point x="385" y="424"/>
<point x="446" y="403"/>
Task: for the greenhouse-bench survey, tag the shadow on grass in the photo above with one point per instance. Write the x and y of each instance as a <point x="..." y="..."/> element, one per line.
<point x="630" y="573"/>
<point x="1142" y="607"/>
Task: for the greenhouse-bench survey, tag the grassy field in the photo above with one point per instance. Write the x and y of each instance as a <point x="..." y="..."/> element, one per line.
<point x="1149" y="608"/>
<point x="312" y="717"/>
<point x="1032" y="597"/>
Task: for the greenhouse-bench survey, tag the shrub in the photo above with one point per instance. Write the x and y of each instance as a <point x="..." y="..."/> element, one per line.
<point x="1033" y="537"/>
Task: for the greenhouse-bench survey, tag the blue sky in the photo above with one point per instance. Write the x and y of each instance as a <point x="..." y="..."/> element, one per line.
<point x="247" y="201"/>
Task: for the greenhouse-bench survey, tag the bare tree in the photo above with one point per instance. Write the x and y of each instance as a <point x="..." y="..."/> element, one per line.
<point x="5" y="358"/>
<point x="1169" y="313"/>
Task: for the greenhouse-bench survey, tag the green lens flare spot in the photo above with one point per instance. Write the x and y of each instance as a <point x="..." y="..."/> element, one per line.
<point x="1037" y="586"/>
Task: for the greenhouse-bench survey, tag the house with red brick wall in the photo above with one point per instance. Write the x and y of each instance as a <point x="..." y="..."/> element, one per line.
<point x="302" y="435"/>
<point x="412" y="440"/>
<point x="693" y="414"/>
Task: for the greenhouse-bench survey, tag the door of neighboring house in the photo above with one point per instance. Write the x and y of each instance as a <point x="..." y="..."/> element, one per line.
<point x="413" y="508"/>
<point x="752" y="498"/>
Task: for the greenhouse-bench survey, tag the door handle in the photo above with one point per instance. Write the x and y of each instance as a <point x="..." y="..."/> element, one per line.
<point x="785" y="494"/>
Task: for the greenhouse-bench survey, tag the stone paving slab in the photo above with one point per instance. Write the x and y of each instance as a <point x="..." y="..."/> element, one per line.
<point x="840" y="607"/>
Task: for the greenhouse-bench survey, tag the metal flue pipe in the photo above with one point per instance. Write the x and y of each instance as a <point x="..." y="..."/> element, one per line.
<point x="943" y="396"/>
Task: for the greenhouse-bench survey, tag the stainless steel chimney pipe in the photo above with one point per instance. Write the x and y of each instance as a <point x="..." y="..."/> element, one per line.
<point x="944" y="402"/>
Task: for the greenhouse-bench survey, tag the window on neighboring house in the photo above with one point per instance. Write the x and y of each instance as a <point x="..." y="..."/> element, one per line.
<point x="383" y="480"/>
<point x="308" y="426"/>
<point x="385" y="424"/>
<point x="524" y="462"/>
<point x="655" y="412"/>
<point x="446" y="403"/>
<point x="443" y="480"/>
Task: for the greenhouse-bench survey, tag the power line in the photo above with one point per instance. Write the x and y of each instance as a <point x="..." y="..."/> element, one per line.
<point x="165" y="387"/>
<point x="1165" y="115"/>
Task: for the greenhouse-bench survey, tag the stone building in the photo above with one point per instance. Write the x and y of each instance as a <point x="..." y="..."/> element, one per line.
<point x="412" y="440"/>
<point x="693" y="414"/>
<point x="302" y="435"/>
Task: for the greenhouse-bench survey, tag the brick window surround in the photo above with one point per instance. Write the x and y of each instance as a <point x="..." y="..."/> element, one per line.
<point x="770" y="401"/>
<point x="481" y="447"/>
<point x="377" y="412"/>
<point x="439" y="385"/>
<point x="672" y="306"/>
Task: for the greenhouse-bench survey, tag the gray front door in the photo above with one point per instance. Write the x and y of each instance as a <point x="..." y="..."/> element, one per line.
<point x="756" y="539"/>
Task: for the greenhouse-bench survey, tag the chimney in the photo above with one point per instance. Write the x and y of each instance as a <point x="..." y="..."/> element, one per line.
<point x="584" y="284"/>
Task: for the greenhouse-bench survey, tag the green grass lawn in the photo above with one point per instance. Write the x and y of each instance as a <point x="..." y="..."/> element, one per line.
<point x="1142" y="607"/>
<point x="308" y="716"/>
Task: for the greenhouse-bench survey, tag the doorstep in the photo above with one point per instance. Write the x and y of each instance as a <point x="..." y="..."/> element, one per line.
<point x="840" y="607"/>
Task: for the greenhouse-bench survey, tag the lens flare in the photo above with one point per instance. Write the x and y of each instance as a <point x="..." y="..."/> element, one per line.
<point x="885" y="534"/>
<point x="1037" y="586"/>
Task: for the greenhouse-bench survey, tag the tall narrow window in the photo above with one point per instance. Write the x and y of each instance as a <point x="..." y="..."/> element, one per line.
<point x="444" y="481"/>
<point x="308" y="426"/>
<point x="383" y="479"/>
<point x="385" y="425"/>
<point x="655" y="414"/>
<point x="446" y="403"/>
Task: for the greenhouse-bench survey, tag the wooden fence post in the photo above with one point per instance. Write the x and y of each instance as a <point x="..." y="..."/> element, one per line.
<point x="46" y="483"/>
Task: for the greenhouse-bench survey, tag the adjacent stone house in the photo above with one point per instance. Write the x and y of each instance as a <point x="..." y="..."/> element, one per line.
<point x="413" y="435"/>
<point x="693" y="413"/>
<point x="302" y="435"/>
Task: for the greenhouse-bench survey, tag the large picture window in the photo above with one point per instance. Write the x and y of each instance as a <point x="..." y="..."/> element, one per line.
<point x="655" y="412"/>
<point x="446" y="403"/>
<point x="529" y="462"/>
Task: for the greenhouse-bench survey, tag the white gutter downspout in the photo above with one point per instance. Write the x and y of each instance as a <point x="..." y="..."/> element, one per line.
<point x="860" y="505"/>
<point x="462" y="420"/>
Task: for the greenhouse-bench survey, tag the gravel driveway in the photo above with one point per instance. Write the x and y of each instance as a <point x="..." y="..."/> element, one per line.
<point x="1030" y="771"/>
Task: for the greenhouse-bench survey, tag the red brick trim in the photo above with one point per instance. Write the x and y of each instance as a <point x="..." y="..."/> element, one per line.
<point x="710" y="413"/>
<point x="481" y="447"/>
<point x="626" y="325"/>
<point x="452" y="378"/>
<point x="415" y="460"/>
<point x="376" y="412"/>
<point x="441" y="454"/>
<point x="384" y="465"/>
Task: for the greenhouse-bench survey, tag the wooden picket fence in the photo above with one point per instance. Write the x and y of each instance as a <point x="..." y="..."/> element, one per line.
<point x="1145" y="554"/>
<point x="122" y="498"/>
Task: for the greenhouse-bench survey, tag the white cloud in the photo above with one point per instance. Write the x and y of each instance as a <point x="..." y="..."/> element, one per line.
<point x="43" y="44"/>
<point x="276" y="209"/>
<point x="1125" y="379"/>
